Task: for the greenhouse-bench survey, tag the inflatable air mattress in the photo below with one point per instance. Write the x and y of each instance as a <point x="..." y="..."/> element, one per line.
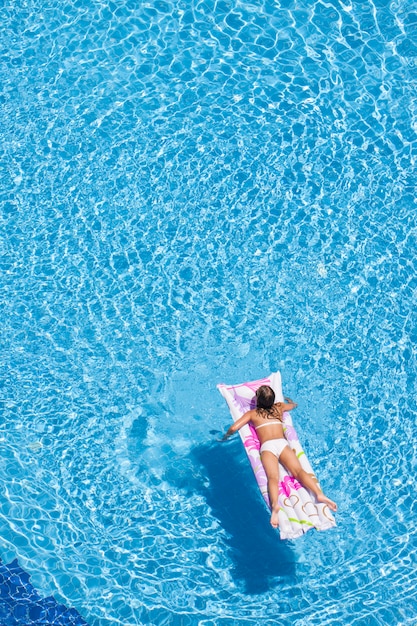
<point x="299" y="510"/>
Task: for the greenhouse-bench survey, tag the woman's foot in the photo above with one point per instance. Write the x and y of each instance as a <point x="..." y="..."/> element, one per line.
<point x="274" y="517"/>
<point x="325" y="500"/>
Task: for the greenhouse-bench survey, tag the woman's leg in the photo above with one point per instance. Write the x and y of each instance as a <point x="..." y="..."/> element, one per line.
<point x="289" y="460"/>
<point x="270" y="463"/>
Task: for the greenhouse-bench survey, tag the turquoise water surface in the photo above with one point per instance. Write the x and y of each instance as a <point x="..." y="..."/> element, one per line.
<point x="196" y="192"/>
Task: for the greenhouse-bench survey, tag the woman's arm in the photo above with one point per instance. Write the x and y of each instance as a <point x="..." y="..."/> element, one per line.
<point x="237" y="425"/>
<point x="289" y="405"/>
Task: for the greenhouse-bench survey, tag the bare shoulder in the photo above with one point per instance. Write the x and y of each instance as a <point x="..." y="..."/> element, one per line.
<point x="245" y="418"/>
<point x="250" y="415"/>
<point x="286" y="406"/>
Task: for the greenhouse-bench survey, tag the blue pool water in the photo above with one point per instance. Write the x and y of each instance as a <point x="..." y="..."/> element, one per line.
<point x="21" y="604"/>
<point x="196" y="192"/>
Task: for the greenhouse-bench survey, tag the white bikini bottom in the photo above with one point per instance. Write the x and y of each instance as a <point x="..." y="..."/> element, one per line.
<point x="276" y="446"/>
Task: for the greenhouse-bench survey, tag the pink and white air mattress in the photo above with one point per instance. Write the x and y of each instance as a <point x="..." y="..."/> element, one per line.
<point x="299" y="510"/>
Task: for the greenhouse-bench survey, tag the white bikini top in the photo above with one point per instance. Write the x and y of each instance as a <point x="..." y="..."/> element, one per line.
<point x="268" y="424"/>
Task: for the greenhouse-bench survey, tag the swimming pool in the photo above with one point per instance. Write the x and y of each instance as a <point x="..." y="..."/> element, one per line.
<point x="194" y="193"/>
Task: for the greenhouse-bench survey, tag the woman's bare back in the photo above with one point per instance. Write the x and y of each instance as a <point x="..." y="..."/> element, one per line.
<point x="268" y="422"/>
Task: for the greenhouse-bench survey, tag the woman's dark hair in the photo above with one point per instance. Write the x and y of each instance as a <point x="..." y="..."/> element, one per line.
<point x="265" y="397"/>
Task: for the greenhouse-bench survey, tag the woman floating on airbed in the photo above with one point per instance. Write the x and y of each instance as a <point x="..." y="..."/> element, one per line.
<point x="267" y="420"/>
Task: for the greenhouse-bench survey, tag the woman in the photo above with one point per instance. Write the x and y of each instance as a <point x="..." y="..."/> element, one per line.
<point x="267" y="420"/>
